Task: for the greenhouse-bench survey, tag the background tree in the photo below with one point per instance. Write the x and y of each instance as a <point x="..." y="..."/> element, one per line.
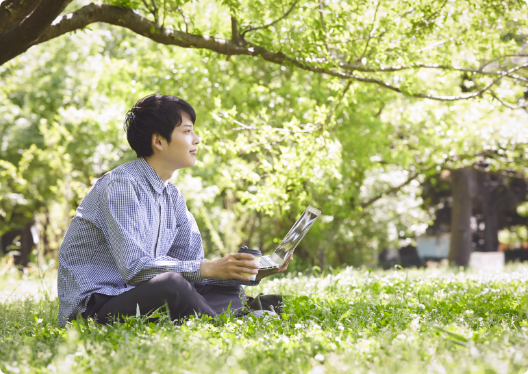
<point x="278" y="135"/>
<point x="363" y="42"/>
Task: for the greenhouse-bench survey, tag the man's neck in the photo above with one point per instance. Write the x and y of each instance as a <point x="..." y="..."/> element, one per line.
<point x="161" y="168"/>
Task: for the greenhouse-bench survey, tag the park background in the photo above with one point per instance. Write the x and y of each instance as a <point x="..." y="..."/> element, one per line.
<point x="395" y="119"/>
<point x="383" y="166"/>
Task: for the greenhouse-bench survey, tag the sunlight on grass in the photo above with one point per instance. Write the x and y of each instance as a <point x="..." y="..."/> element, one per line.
<point x="430" y="320"/>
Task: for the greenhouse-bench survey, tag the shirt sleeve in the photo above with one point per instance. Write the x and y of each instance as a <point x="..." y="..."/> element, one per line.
<point x="187" y="245"/>
<point x="229" y="282"/>
<point x="122" y="214"/>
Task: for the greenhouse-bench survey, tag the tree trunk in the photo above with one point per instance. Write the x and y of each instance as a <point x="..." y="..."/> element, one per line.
<point x="490" y="210"/>
<point x="321" y="258"/>
<point x="26" y="24"/>
<point x="462" y="187"/>
<point x="26" y="245"/>
<point x="7" y="240"/>
<point x="45" y="237"/>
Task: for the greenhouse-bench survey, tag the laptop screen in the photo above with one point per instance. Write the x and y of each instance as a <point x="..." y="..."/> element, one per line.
<point x="295" y="235"/>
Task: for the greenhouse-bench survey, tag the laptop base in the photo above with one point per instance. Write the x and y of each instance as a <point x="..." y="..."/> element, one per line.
<point x="266" y="262"/>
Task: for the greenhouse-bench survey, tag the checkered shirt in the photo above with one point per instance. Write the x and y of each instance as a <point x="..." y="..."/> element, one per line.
<point x="129" y="228"/>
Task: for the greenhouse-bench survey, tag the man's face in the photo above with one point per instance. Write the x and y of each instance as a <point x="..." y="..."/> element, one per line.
<point x="181" y="151"/>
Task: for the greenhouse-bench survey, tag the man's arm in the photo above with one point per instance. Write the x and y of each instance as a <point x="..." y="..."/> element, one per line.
<point x="225" y="271"/>
<point x="230" y="267"/>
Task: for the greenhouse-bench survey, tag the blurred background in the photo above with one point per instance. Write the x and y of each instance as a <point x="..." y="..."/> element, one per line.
<point x="399" y="180"/>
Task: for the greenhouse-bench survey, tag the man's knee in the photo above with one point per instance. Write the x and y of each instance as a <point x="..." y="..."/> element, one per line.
<point x="172" y="284"/>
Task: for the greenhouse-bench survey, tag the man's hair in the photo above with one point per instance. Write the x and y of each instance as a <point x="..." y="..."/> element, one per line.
<point x="154" y="114"/>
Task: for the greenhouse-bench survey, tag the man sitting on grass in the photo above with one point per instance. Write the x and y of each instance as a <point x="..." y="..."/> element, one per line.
<point x="133" y="242"/>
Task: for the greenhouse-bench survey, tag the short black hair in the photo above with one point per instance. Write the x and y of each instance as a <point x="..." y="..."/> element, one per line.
<point x="154" y="114"/>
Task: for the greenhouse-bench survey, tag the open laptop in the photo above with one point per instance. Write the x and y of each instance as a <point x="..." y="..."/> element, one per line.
<point x="291" y="240"/>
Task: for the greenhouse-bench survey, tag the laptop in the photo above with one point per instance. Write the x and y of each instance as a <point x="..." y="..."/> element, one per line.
<point x="291" y="240"/>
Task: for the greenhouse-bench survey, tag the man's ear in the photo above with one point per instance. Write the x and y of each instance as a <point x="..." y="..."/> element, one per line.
<point x="156" y="142"/>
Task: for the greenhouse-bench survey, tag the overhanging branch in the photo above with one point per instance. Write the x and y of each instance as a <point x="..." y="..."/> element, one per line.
<point x="27" y="25"/>
<point x="392" y="190"/>
<point x="251" y="28"/>
<point x="125" y="17"/>
<point x="507" y="105"/>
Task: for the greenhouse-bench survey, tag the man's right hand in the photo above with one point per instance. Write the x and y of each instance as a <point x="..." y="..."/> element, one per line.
<point x="230" y="266"/>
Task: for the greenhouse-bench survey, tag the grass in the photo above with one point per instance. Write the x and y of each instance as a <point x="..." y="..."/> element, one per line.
<point x="406" y="321"/>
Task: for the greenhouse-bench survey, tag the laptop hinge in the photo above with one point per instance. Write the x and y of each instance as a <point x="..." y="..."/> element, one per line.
<point x="277" y="259"/>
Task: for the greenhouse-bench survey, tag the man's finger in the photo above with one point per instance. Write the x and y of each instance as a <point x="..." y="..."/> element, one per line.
<point x="285" y="265"/>
<point x="244" y="264"/>
<point x="241" y="277"/>
<point x="243" y="256"/>
<point x="248" y="264"/>
<point x="246" y="270"/>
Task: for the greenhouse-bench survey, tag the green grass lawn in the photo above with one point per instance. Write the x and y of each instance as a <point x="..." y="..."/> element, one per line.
<point x="423" y="321"/>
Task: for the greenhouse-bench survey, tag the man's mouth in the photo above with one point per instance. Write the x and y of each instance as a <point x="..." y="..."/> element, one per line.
<point x="193" y="152"/>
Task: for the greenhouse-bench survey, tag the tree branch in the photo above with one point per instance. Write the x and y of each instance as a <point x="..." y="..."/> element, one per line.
<point x="361" y="68"/>
<point x="391" y="191"/>
<point x="155" y="12"/>
<point x="27" y="28"/>
<point x="338" y="102"/>
<point x="11" y="12"/>
<point x="371" y="31"/>
<point x="125" y="17"/>
<point x="251" y="28"/>
<point x="323" y="24"/>
<point x="421" y="171"/>
<point x="235" y="34"/>
<point x="500" y="58"/>
<point x="180" y="10"/>
<point x="507" y="105"/>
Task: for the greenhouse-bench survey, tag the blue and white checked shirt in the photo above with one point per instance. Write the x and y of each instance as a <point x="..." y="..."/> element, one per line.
<point x="129" y="228"/>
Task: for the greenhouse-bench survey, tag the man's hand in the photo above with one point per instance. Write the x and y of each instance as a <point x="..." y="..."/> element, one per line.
<point x="230" y="266"/>
<point x="267" y="273"/>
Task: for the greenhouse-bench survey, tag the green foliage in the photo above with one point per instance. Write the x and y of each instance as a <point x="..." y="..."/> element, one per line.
<point x="275" y="138"/>
<point x="349" y="320"/>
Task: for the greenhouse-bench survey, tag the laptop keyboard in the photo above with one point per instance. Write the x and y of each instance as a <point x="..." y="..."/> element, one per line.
<point x="266" y="262"/>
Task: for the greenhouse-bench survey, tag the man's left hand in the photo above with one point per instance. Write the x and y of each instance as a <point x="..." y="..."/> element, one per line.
<point x="266" y="273"/>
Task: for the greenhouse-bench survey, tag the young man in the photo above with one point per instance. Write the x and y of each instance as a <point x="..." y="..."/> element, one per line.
<point x="133" y="242"/>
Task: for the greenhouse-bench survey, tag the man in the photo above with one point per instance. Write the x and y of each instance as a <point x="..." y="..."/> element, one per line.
<point x="133" y="243"/>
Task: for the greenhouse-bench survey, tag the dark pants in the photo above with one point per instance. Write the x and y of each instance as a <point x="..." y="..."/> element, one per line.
<point x="182" y="298"/>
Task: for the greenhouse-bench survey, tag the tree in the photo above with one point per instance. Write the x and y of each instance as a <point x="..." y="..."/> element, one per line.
<point x="382" y="43"/>
<point x="276" y="137"/>
<point x="464" y="189"/>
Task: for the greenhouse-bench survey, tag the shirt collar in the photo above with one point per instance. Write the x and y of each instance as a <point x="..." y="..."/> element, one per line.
<point x="151" y="175"/>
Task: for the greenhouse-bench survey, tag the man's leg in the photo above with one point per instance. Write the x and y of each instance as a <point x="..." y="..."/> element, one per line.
<point x="167" y="288"/>
<point x="220" y="297"/>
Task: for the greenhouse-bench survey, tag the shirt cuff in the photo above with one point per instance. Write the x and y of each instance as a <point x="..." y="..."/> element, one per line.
<point x="229" y="282"/>
<point x="193" y="276"/>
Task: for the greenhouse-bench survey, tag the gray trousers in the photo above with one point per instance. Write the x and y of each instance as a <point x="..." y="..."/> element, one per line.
<point x="182" y="298"/>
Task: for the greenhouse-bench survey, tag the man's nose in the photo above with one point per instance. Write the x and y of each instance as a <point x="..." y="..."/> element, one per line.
<point x="197" y="139"/>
